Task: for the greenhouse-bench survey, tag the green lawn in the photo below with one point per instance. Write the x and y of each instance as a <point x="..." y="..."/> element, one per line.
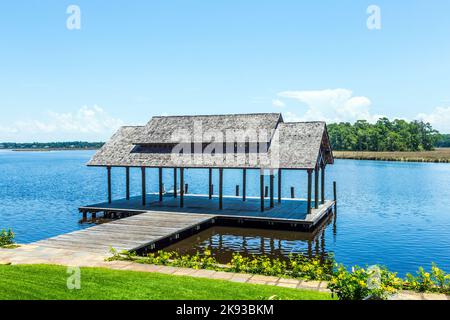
<point x="38" y="282"/>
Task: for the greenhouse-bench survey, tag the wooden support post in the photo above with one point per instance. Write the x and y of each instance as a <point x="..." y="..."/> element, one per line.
<point x="309" y="191"/>
<point x="244" y="184"/>
<point x="334" y="191"/>
<point x="144" y="187"/>
<point x="109" y="185"/>
<point x="160" y="184"/>
<point x="175" y="184"/>
<point x="220" y="189"/>
<point x="266" y="191"/>
<point x="181" y="187"/>
<point x="210" y="193"/>
<point x="127" y="177"/>
<point x="279" y="185"/>
<point x="316" y="188"/>
<point x="237" y="190"/>
<point x="322" y="185"/>
<point x="292" y="193"/>
<point x="271" y="188"/>
<point x="261" y="188"/>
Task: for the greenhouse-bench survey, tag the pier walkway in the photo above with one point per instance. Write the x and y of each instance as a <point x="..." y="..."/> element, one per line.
<point x="132" y="233"/>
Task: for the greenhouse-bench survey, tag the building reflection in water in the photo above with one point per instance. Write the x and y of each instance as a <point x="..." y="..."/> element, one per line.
<point x="224" y="241"/>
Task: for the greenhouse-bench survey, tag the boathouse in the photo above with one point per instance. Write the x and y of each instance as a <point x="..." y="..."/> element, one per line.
<point x="244" y="142"/>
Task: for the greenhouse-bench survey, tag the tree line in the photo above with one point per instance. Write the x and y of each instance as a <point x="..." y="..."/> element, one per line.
<point x="444" y="141"/>
<point x="52" y="145"/>
<point x="384" y="135"/>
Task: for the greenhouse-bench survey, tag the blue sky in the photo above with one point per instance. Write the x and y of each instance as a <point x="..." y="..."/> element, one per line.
<point x="134" y="59"/>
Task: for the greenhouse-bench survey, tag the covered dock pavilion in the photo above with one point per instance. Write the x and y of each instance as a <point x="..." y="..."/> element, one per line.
<point x="244" y="142"/>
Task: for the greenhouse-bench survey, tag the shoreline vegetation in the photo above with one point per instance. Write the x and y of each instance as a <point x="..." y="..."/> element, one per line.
<point x="345" y="283"/>
<point x="51" y="146"/>
<point x="440" y="155"/>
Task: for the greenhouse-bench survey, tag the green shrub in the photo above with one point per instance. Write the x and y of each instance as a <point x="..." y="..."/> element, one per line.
<point x="257" y="265"/>
<point x="359" y="284"/>
<point x="6" y="238"/>
<point x="436" y="281"/>
<point x="310" y="268"/>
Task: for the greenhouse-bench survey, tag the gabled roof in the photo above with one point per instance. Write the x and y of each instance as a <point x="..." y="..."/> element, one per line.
<point x="299" y="145"/>
<point x="163" y="129"/>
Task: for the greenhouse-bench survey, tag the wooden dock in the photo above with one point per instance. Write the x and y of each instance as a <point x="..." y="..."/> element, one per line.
<point x="132" y="233"/>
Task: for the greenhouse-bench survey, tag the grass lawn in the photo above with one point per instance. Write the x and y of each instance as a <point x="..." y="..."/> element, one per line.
<point x="39" y="282"/>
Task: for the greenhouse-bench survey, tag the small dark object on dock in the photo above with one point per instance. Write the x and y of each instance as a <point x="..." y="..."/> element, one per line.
<point x="292" y="193"/>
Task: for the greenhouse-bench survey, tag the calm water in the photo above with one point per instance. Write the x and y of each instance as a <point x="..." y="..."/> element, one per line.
<point x="396" y="214"/>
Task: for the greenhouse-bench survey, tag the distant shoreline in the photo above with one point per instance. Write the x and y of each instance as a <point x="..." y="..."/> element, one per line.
<point x="50" y="149"/>
<point x="441" y="155"/>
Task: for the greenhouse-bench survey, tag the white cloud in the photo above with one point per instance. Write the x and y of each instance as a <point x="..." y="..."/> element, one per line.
<point x="87" y="123"/>
<point x="331" y="105"/>
<point x="278" y="103"/>
<point x="439" y="118"/>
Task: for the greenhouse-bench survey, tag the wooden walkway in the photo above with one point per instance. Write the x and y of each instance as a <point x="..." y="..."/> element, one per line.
<point x="130" y="233"/>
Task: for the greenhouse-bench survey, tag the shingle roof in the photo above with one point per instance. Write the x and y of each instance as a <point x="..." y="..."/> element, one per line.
<point x="293" y="145"/>
<point x="162" y="129"/>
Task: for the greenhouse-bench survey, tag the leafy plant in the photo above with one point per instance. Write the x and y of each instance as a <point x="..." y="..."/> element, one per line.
<point x="360" y="283"/>
<point x="6" y="238"/>
<point x="435" y="281"/>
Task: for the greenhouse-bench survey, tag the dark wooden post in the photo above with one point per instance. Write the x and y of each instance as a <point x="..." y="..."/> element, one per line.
<point x="271" y="188"/>
<point x="244" y="185"/>
<point x="316" y="187"/>
<point x="334" y="191"/>
<point x="175" y="186"/>
<point x="292" y="192"/>
<point x="261" y="186"/>
<point x="160" y="184"/>
<point x="144" y="187"/>
<point x="279" y="185"/>
<point x="237" y="190"/>
<point x="210" y="183"/>
<point x="323" y="184"/>
<point x="309" y="190"/>
<point x="127" y="177"/>
<point x="181" y="187"/>
<point x="220" y="189"/>
<point x="109" y="185"/>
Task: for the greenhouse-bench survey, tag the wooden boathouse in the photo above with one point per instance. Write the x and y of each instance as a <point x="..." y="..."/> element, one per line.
<point x="215" y="143"/>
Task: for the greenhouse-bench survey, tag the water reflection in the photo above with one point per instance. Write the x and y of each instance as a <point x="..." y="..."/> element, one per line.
<point x="224" y="241"/>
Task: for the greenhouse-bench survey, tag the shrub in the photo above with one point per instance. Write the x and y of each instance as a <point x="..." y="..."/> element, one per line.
<point x="257" y="265"/>
<point x="311" y="268"/>
<point x="6" y="238"/>
<point x="436" y="281"/>
<point x="359" y="284"/>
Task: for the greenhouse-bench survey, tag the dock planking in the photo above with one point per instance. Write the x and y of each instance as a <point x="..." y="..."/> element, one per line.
<point x="126" y="234"/>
